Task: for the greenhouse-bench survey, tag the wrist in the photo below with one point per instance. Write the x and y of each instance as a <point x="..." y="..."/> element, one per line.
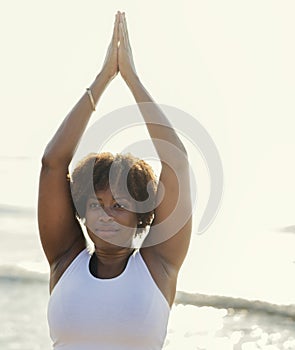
<point x="103" y="77"/>
<point x="97" y="87"/>
<point x="132" y="81"/>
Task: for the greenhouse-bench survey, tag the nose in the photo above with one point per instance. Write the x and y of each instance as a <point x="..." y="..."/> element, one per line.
<point x="105" y="215"/>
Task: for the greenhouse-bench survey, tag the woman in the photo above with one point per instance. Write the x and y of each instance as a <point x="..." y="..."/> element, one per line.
<point x="117" y="297"/>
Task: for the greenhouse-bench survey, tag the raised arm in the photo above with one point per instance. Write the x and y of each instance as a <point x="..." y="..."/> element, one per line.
<point x="60" y="232"/>
<point x="172" y="222"/>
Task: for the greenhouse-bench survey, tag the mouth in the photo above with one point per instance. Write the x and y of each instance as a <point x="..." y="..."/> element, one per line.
<point x="106" y="229"/>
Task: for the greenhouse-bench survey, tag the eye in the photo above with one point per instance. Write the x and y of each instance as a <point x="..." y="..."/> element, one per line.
<point x="94" y="205"/>
<point x="120" y="206"/>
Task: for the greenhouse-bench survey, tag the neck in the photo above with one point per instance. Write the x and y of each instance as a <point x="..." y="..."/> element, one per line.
<point x="112" y="256"/>
<point x="109" y="264"/>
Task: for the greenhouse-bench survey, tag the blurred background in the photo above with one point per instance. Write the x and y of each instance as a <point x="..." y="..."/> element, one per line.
<point x="228" y="64"/>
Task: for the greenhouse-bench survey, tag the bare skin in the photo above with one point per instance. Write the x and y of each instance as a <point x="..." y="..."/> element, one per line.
<point x="61" y="234"/>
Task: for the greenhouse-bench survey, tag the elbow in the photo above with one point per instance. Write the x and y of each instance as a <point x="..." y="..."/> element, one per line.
<point x="180" y="156"/>
<point x="45" y="160"/>
<point x="181" y="161"/>
<point x="54" y="157"/>
<point x="49" y="161"/>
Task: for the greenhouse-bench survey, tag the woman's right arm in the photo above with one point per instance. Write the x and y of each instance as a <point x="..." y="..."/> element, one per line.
<point x="60" y="231"/>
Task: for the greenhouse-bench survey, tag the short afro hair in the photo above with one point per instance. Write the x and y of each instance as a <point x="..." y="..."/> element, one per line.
<point x="97" y="166"/>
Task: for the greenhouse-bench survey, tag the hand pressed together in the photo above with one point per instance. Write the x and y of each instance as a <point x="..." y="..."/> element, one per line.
<point x="119" y="56"/>
<point x="125" y="57"/>
<point x="110" y="65"/>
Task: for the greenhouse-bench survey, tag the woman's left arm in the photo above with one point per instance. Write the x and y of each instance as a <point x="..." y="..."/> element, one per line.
<point x="173" y="215"/>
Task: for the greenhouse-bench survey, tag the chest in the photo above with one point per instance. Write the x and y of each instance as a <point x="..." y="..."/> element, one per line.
<point x="127" y="307"/>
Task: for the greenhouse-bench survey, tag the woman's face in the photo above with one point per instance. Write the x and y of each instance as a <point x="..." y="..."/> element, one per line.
<point x="110" y="218"/>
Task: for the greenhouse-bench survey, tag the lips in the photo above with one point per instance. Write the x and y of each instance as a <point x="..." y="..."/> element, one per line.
<point x="106" y="229"/>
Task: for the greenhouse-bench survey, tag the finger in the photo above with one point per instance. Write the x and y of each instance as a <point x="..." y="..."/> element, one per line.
<point x="126" y="30"/>
<point x="116" y="30"/>
<point x="121" y="36"/>
<point x="122" y="32"/>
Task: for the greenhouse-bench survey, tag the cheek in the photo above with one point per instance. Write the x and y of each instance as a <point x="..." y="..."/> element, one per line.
<point x="89" y="215"/>
<point x="129" y="219"/>
<point x="89" y="221"/>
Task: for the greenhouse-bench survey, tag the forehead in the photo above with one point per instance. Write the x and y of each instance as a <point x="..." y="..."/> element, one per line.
<point x="108" y="194"/>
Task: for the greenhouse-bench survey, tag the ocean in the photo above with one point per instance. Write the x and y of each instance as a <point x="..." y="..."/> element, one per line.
<point x="222" y="304"/>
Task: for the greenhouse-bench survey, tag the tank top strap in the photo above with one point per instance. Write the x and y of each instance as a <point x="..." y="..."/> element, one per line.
<point x="146" y="276"/>
<point x="75" y="264"/>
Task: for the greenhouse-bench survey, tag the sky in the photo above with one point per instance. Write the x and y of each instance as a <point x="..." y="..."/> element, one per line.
<point x="229" y="64"/>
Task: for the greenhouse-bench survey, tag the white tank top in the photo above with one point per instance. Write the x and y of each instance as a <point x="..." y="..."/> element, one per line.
<point x="125" y="312"/>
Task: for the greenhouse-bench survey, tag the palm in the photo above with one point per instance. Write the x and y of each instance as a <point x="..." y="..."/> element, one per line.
<point x="111" y="61"/>
<point x="110" y="65"/>
<point x="119" y="55"/>
<point x="125" y="56"/>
